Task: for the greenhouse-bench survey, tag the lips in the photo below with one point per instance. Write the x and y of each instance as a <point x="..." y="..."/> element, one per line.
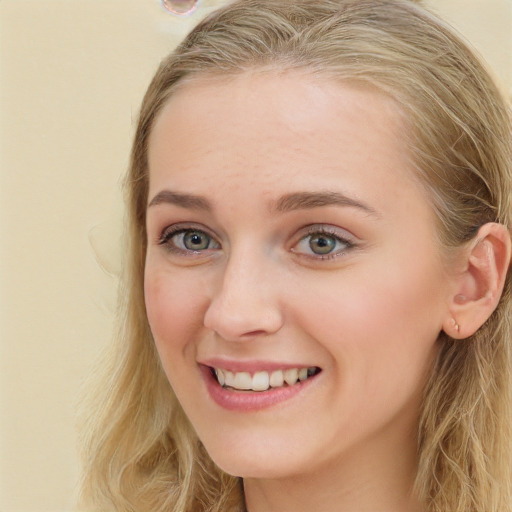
<point x="263" y="380"/>
<point x="248" y="387"/>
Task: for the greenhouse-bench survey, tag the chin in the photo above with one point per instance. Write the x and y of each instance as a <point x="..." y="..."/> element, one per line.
<point x="254" y="463"/>
<point x="248" y="469"/>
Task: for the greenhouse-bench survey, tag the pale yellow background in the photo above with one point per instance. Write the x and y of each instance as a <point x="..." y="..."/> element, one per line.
<point x="72" y="76"/>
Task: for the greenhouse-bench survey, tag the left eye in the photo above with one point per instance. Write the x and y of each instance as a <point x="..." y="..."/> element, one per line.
<point x="189" y="240"/>
<point x="321" y="244"/>
<point x="194" y="240"/>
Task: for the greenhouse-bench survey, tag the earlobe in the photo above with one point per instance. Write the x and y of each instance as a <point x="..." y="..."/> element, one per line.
<point x="479" y="286"/>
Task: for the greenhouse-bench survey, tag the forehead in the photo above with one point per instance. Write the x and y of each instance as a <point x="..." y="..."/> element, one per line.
<point x="277" y="128"/>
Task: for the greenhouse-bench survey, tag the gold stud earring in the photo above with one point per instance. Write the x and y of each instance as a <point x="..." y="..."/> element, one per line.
<point x="456" y="326"/>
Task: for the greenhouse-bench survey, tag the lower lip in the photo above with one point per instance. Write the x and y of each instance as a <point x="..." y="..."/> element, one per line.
<point x="246" y="401"/>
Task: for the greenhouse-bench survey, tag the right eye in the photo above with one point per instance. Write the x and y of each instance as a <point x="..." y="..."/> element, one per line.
<point x="188" y="240"/>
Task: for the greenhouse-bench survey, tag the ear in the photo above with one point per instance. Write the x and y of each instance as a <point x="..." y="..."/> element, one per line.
<point x="479" y="283"/>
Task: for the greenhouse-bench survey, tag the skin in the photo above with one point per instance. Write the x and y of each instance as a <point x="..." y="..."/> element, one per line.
<point x="368" y="315"/>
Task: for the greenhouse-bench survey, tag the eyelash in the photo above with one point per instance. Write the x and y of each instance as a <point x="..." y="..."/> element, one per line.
<point x="169" y="233"/>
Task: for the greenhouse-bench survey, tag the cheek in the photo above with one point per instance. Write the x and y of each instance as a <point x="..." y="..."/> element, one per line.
<point x="403" y="289"/>
<point x="377" y="319"/>
<point x="376" y="302"/>
<point x="175" y="310"/>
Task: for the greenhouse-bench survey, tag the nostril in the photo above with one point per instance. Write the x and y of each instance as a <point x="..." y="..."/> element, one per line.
<point x="253" y="334"/>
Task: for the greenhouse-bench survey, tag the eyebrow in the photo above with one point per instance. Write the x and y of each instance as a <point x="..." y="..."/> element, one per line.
<point x="190" y="201"/>
<point x="308" y="200"/>
<point x="286" y="203"/>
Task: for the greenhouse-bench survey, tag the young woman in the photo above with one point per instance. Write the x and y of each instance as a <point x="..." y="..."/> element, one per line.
<point x="316" y="307"/>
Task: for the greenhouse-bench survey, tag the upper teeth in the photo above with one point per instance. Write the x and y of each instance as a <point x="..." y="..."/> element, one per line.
<point x="261" y="381"/>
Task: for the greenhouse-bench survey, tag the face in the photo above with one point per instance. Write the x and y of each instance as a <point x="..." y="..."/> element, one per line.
<point x="293" y="281"/>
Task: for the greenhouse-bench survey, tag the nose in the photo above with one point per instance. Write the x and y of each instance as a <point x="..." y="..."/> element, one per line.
<point x="245" y="302"/>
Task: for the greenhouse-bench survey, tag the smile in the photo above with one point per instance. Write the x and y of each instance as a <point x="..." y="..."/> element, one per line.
<point x="263" y="380"/>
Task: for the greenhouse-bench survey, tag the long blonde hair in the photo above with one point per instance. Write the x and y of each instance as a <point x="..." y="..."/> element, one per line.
<point x="140" y="453"/>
